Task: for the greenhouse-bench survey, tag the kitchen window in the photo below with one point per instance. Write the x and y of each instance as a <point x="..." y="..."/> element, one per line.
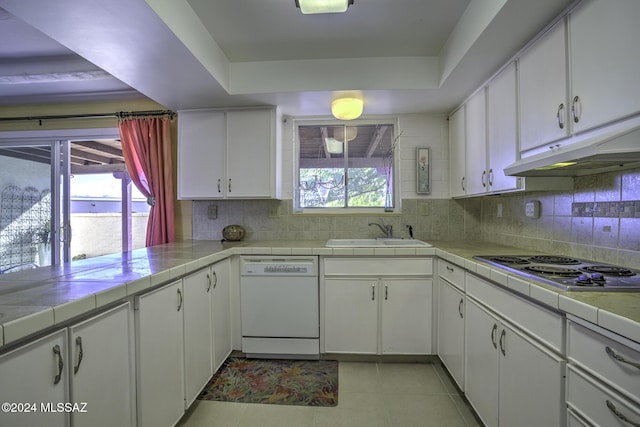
<point x="345" y="167"/>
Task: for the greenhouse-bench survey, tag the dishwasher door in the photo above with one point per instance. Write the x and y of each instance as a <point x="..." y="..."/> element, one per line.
<point x="279" y="305"/>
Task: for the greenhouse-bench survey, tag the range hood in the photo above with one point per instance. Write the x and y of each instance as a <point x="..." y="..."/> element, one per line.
<point x="613" y="147"/>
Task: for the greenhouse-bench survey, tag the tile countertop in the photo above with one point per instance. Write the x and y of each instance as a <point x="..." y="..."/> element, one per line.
<point x="33" y="300"/>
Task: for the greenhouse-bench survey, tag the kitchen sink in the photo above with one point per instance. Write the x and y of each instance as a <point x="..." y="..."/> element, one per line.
<point x="377" y="243"/>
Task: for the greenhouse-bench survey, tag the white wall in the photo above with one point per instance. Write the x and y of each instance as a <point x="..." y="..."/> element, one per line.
<point x="100" y="234"/>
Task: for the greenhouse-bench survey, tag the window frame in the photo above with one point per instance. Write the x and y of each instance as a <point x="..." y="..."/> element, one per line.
<point x="324" y="121"/>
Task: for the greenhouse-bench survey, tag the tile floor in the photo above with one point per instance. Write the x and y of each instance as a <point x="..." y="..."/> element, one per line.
<point x="370" y="394"/>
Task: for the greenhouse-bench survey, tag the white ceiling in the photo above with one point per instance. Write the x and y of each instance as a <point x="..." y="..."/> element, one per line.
<point x="403" y="56"/>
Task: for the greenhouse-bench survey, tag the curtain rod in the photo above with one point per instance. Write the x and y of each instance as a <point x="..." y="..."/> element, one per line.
<point x="119" y="115"/>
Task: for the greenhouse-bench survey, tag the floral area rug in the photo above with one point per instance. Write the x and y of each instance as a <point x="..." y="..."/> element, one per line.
<point x="284" y="382"/>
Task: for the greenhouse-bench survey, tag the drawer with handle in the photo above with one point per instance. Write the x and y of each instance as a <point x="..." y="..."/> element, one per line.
<point x="451" y="273"/>
<point x="599" y="404"/>
<point x="615" y="362"/>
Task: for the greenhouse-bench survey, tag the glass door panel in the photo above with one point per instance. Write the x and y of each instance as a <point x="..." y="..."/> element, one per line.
<point x="25" y="206"/>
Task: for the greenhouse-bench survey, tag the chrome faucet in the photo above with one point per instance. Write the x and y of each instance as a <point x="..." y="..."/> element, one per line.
<point x="386" y="229"/>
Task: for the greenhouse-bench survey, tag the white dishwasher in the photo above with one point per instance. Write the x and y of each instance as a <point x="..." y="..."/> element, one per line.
<point x="280" y="308"/>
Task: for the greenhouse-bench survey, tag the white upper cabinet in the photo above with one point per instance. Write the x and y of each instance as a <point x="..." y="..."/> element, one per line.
<point x="543" y="90"/>
<point x="457" y="153"/>
<point x="579" y="75"/>
<point x="201" y="145"/>
<point x="476" y="133"/>
<point x="604" y="36"/>
<point x="232" y="154"/>
<point x="502" y="134"/>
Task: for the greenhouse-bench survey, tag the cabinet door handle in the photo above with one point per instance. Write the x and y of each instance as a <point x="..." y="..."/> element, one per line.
<point x="619" y="358"/>
<point x="575" y="113"/>
<point x="449" y="269"/>
<point x="179" y="299"/>
<point x="462" y="184"/>
<point x="215" y="279"/>
<point x="503" y="340"/>
<point x="219" y="189"/>
<point x="493" y="335"/>
<point x="484" y="173"/>
<point x="56" y="351"/>
<point x="560" y="116"/>
<point x="490" y="177"/>
<point x="80" y="354"/>
<point x="386" y="291"/>
<point x="229" y="185"/>
<point x="620" y="415"/>
<point x="373" y="292"/>
<point x="208" y="280"/>
<point x="460" y="308"/>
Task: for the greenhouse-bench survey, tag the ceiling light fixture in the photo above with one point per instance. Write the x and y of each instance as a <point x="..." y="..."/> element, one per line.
<point x="333" y="145"/>
<point x="323" y="6"/>
<point x="348" y="108"/>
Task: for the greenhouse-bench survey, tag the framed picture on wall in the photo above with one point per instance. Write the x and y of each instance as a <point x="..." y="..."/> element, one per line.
<point x="423" y="181"/>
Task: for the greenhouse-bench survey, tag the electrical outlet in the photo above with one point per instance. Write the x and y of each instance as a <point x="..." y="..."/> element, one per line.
<point x="499" y="213"/>
<point x="532" y="209"/>
<point x="425" y="209"/>
<point x="212" y="211"/>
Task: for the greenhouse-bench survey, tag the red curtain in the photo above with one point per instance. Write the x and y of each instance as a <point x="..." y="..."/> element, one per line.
<point x="146" y="145"/>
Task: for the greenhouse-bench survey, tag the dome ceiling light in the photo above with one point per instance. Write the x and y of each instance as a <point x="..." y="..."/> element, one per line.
<point x="323" y="6"/>
<point x="348" y="108"/>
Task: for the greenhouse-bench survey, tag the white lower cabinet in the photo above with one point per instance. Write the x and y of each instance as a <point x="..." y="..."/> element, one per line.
<point x="160" y="356"/>
<point x="510" y="379"/>
<point x="451" y="302"/>
<point x="220" y="313"/>
<point x="32" y="375"/>
<point x="377" y="305"/>
<point x="101" y="366"/>
<point x="198" y="337"/>
<point x="377" y="316"/>
<point x="81" y="375"/>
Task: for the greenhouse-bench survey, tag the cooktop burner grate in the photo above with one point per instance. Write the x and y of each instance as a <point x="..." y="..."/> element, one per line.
<point x="553" y="259"/>
<point x="511" y="260"/>
<point x="609" y="270"/>
<point x="568" y="273"/>
<point x="549" y="270"/>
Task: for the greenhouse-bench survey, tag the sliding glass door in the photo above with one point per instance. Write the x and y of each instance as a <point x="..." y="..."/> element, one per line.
<point x="35" y="195"/>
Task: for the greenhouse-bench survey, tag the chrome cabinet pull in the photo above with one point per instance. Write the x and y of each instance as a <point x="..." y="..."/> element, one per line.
<point x="386" y="291"/>
<point x="460" y="308"/>
<point x="215" y="279"/>
<point x="180" y="299"/>
<point x="462" y="184"/>
<point x="483" y="181"/>
<point x="490" y="177"/>
<point x="560" y="115"/>
<point x="619" y="358"/>
<point x="575" y="114"/>
<point x="502" y="341"/>
<point x="219" y="189"/>
<point x="373" y="292"/>
<point x="620" y="415"/>
<point x="80" y="354"/>
<point x="209" y="280"/>
<point x="229" y="185"/>
<point x="449" y="269"/>
<point x="493" y="335"/>
<point x="56" y="351"/>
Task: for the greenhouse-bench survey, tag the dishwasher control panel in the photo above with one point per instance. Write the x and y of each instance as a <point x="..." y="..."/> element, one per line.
<point x="289" y="266"/>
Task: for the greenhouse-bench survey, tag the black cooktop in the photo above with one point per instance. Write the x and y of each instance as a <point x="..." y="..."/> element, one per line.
<point x="568" y="273"/>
